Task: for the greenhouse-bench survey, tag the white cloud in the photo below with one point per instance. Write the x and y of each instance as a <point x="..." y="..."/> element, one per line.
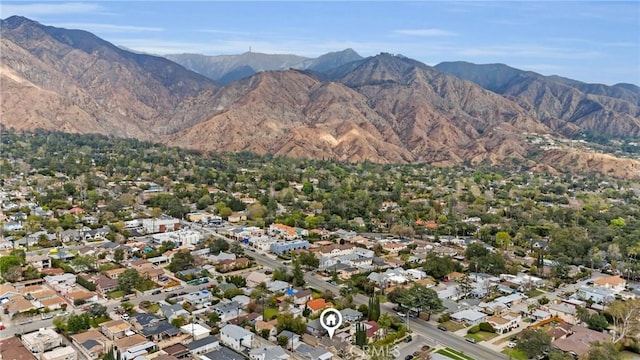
<point x="107" y="28"/>
<point x="424" y="32"/>
<point x="37" y="9"/>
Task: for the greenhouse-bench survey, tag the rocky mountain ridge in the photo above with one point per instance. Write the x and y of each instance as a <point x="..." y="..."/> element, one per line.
<point x="386" y="108"/>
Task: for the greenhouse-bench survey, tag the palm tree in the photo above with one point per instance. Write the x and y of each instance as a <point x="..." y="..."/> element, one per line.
<point x="384" y="321"/>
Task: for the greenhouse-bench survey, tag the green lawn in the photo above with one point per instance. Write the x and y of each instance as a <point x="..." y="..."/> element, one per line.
<point x="116" y="294"/>
<point x="153" y="308"/>
<point x="146" y="284"/>
<point x="515" y="354"/>
<point x="453" y="354"/>
<point x="270" y="313"/>
<point x="534" y="293"/>
<point x="452" y="325"/>
<point x="97" y="321"/>
<point x="482" y="336"/>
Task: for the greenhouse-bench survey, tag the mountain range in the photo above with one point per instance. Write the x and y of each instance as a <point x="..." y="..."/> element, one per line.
<point x="385" y="108"/>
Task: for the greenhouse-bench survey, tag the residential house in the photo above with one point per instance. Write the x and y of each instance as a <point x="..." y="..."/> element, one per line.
<point x="204" y="345"/>
<point x="614" y="283"/>
<point x="196" y="331"/>
<point x="160" y="331"/>
<point x="222" y="353"/>
<point x="41" y="340"/>
<point x="82" y="296"/>
<point x="598" y="295"/>
<point x="469" y="316"/>
<point x="114" y="273"/>
<point x="173" y="311"/>
<point x="105" y="284"/>
<point x="133" y="346"/>
<point x="17" y="304"/>
<point x="283" y="231"/>
<point x="65" y="279"/>
<point x="61" y="353"/>
<point x="278" y="286"/>
<point x="199" y="299"/>
<point x="506" y="323"/>
<point x="350" y="315"/>
<point x="231" y="265"/>
<point x="255" y="278"/>
<point x="317" y="305"/>
<point x="91" y="343"/>
<point x="227" y="310"/>
<point x="7" y="291"/>
<point x="270" y="327"/>
<point x="314" y="327"/>
<point x="268" y="353"/>
<point x="39" y="261"/>
<point x="580" y="339"/>
<point x="12" y="348"/>
<point x="301" y="297"/>
<point x="242" y="300"/>
<point x="236" y="337"/>
<point x="313" y="353"/>
<point x="288" y="246"/>
<point x="293" y="339"/>
<point x="115" y="329"/>
<point x="179" y="351"/>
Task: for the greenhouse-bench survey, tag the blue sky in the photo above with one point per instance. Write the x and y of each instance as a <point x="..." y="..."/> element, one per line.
<point x="584" y="40"/>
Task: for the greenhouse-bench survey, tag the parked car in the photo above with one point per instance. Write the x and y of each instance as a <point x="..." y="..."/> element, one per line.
<point x="156" y="292"/>
<point x="473" y="341"/>
<point x="442" y="327"/>
<point x="124" y="317"/>
<point x="401" y="314"/>
<point x="2" y="326"/>
<point x="46" y="316"/>
<point x="408" y="339"/>
<point x="124" y="299"/>
<point x="511" y="345"/>
<point x="408" y="357"/>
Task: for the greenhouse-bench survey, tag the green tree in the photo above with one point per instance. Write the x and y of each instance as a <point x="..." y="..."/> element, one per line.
<point x="374" y="308"/>
<point x="9" y="261"/>
<point x="128" y="280"/>
<point x="418" y="298"/>
<point x="97" y="310"/>
<point x="118" y="255"/>
<point x="534" y="343"/>
<point x="182" y="260"/>
<point x="625" y="316"/>
<point x="503" y="239"/>
<point x="597" y="322"/>
<point x="283" y="340"/>
<point x="361" y="335"/>
<point x="218" y="245"/>
<point x="602" y="351"/>
<point x="298" y="275"/>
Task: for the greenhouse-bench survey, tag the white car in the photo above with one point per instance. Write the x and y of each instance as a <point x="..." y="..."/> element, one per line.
<point x="511" y="345"/>
<point x="124" y="317"/>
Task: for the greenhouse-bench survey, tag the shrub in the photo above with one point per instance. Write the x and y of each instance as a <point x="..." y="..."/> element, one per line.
<point x="474" y="329"/>
<point x="485" y="326"/>
<point x="444" y="318"/>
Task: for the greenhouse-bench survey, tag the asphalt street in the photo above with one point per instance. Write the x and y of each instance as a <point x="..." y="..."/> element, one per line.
<point x="427" y="332"/>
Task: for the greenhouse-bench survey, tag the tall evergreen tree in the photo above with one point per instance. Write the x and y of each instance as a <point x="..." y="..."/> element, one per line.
<point x="361" y="335"/>
<point x="374" y="308"/>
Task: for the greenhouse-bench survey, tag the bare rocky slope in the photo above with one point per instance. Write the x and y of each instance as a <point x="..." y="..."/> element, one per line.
<point x="386" y="108"/>
<point x="567" y="106"/>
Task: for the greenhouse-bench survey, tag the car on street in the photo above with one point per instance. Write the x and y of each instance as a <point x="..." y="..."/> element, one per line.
<point x="442" y="327"/>
<point x="401" y="314"/>
<point x="408" y="357"/>
<point x="408" y="339"/>
<point x="156" y="292"/>
<point x="2" y="326"/>
<point x="471" y="340"/>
